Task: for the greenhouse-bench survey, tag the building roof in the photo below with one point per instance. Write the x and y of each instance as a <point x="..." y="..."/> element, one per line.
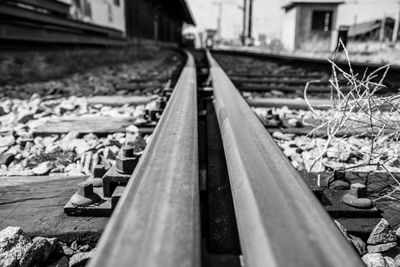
<point x="188" y="16"/>
<point x="363" y="28"/>
<point x="293" y="3"/>
<point x="178" y="9"/>
<point x="368" y="26"/>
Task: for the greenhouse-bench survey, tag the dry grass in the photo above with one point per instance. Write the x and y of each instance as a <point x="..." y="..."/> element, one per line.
<point x="361" y="110"/>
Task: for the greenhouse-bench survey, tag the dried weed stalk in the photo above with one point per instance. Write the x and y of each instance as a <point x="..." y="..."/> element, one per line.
<point x="358" y="110"/>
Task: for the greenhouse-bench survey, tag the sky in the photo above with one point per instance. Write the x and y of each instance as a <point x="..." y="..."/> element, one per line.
<point x="268" y="14"/>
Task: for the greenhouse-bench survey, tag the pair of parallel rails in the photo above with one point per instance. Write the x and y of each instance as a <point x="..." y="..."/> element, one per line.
<point x="157" y="221"/>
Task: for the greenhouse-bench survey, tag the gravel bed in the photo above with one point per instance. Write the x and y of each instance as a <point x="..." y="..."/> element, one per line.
<point x="380" y="248"/>
<point x="25" y="107"/>
<point x="303" y="149"/>
<point x="18" y="249"/>
<point x="22" y="154"/>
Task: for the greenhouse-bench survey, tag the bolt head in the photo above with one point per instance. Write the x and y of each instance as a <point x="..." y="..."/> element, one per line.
<point x="155" y="114"/>
<point x="126" y="165"/>
<point x="358" y="190"/>
<point x="85" y="189"/>
<point x="127" y="151"/>
<point x="98" y="171"/>
<point x="339" y="175"/>
<point x="161" y="102"/>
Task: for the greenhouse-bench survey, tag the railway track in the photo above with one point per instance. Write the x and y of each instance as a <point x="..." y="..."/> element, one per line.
<point x="218" y="184"/>
<point x="213" y="189"/>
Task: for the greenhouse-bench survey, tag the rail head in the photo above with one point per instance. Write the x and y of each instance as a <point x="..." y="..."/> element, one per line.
<point x="280" y="221"/>
<point x="157" y="220"/>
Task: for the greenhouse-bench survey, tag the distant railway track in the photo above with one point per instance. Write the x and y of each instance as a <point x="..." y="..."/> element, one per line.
<point x="309" y="64"/>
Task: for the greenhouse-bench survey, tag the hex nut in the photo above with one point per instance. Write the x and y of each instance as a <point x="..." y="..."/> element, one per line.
<point x="127" y="151"/>
<point x="98" y="171"/>
<point x="126" y="165"/>
<point x="161" y="102"/>
<point x="85" y="189"/>
<point x="339" y="175"/>
<point x="155" y="114"/>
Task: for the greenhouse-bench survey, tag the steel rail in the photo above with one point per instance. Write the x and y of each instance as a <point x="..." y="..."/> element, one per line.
<point x="157" y="221"/>
<point x="280" y="221"/>
<point x="316" y="63"/>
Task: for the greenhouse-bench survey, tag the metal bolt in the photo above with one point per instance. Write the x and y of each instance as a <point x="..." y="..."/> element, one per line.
<point x="98" y="171"/>
<point x="339" y="175"/>
<point x="155" y="114"/>
<point x="127" y="151"/>
<point x="125" y="165"/>
<point x="85" y="195"/>
<point x="356" y="197"/>
<point x="339" y="181"/>
<point x="358" y="190"/>
<point x="161" y="102"/>
<point x="126" y="160"/>
<point x="146" y="114"/>
<point x="85" y="189"/>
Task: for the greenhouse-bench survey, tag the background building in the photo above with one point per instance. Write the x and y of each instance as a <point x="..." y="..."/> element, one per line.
<point x="108" y="13"/>
<point x="310" y="25"/>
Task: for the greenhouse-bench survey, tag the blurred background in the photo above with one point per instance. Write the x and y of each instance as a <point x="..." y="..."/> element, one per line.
<point x="368" y="28"/>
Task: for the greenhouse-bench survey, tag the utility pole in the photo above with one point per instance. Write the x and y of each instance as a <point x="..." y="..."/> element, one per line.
<point x="220" y="20"/>
<point x="250" y="19"/>
<point x="382" y="29"/>
<point x="220" y="4"/>
<point x="396" y="25"/>
<point x="244" y="22"/>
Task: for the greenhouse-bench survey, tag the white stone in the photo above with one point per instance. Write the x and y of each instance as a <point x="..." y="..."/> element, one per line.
<point x="374" y="260"/>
